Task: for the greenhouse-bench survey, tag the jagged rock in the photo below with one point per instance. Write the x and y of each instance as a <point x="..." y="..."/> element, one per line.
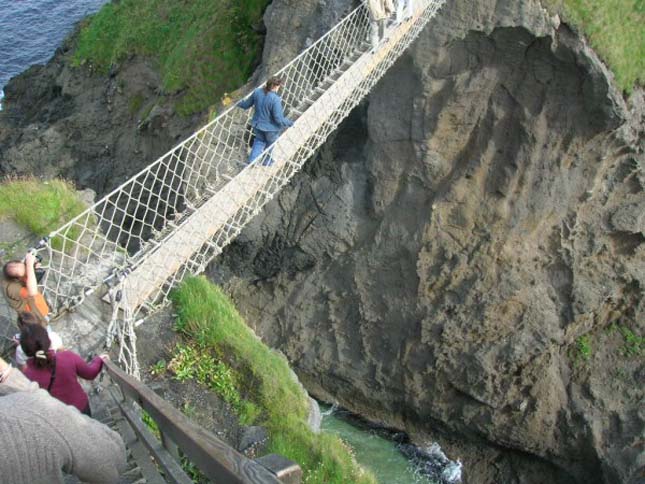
<point x="461" y="233"/>
<point x="253" y="441"/>
<point x="60" y="120"/>
<point x="630" y="218"/>
<point x="314" y="419"/>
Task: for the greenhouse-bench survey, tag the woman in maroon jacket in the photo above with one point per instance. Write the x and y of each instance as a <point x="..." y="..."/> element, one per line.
<point x="57" y="372"/>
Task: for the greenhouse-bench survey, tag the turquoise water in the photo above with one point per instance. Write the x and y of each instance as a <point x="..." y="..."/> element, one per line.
<point x="373" y="450"/>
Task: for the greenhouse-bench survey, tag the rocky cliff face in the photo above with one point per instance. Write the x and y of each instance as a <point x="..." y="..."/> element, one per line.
<point x="447" y="258"/>
<point x="463" y="260"/>
<point x="60" y="120"/>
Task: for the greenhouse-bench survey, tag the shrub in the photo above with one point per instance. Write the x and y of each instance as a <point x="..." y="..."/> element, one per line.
<point x="203" y="47"/>
<point x="209" y="319"/>
<point x="38" y="206"/>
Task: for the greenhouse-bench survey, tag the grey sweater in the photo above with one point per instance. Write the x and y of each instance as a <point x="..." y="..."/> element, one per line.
<point x="40" y="437"/>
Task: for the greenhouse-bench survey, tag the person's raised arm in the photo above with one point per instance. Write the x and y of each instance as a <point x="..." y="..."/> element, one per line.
<point x="30" y="275"/>
<point x="247" y="103"/>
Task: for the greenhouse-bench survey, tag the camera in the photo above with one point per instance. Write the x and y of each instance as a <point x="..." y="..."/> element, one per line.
<point x="39" y="272"/>
<point x="37" y="256"/>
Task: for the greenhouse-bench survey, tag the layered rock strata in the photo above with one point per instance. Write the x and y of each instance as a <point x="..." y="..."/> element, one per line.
<point x="446" y="259"/>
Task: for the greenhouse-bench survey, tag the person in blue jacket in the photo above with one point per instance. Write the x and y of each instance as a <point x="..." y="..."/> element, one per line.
<point x="268" y="119"/>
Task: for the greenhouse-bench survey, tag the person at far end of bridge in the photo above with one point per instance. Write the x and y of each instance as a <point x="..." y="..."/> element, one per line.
<point x="380" y="11"/>
<point x="404" y="10"/>
<point x="268" y="118"/>
<point x="41" y="436"/>
<point x="58" y="371"/>
<point x="20" y="287"/>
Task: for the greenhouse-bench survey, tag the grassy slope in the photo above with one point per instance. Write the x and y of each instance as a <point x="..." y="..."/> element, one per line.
<point x="204" y="47"/>
<point x="616" y="30"/>
<point x="208" y="317"/>
<point x="207" y="47"/>
<point x="39" y="206"/>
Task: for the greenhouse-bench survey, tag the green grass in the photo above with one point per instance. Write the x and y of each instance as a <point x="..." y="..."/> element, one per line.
<point x="135" y="103"/>
<point x="633" y="344"/>
<point x="151" y="424"/>
<point x="204" y="48"/>
<point x="209" y="319"/>
<point x="615" y="30"/>
<point x="195" y="362"/>
<point x="38" y="206"/>
<point x="581" y="350"/>
<point x="583" y="347"/>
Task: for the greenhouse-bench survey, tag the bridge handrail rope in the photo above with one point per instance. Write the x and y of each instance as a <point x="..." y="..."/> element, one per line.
<point x="68" y="234"/>
<point x="177" y="214"/>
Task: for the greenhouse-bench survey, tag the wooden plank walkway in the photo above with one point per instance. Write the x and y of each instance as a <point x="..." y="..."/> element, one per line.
<point x="143" y="284"/>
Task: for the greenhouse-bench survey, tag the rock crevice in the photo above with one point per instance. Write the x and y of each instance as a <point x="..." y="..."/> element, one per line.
<point x="486" y="217"/>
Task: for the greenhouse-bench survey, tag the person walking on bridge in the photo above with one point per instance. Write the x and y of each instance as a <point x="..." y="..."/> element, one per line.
<point x="268" y="119"/>
<point x="404" y="10"/>
<point x="380" y="11"/>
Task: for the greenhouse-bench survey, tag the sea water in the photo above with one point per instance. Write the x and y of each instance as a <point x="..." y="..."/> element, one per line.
<point x="387" y="455"/>
<point x="32" y="30"/>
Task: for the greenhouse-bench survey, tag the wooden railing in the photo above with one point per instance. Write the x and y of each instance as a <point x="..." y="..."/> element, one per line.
<point x="214" y="458"/>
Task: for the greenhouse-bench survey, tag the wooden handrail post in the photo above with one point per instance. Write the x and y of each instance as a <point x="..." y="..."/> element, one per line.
<point x="214" y="458"/>
<point x="169" y="445"/>
<point x="288" y="472"/>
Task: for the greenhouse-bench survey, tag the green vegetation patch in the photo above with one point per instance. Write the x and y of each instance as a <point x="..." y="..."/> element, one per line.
<point x="196" y="362"/>
<point x="38" y="206"/>
<point x="633" y="344"/>
<point x="211" y="322"/>
<point x="615" y="30"/>
<point x="581" y="351"/>
<point x="204" y="48"/>
<point x="583" y="346"/>
<point x="149" y="422"/>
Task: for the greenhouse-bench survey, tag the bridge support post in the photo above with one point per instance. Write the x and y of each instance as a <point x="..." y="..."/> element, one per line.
<point x="170" y="446"/>
<point x="287" y="472"/>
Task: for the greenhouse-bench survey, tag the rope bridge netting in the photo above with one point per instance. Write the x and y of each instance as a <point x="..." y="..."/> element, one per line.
<point x="176" y="215"/>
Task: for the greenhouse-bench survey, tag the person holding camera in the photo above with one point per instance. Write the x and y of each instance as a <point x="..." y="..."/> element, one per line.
<point x="20" y="286"/>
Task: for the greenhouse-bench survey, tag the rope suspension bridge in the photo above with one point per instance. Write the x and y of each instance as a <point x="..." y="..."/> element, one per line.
<point x="172" y="218"/>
